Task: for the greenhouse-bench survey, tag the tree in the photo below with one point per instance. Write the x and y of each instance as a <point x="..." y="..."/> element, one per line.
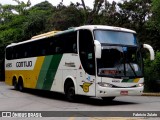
<point x="21" y="8"/>
<point x="152" y="74"/>
<point x="8" y="11"/>
<point x="110" y="15"/>
<point x="156" y="14"/>
<point x="69" y="16"/>
<point x="37" y="19"/>
<point x="5" y="13"/>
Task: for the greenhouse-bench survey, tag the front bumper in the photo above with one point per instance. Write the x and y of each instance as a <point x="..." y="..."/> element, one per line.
<point x="111" y="92"/>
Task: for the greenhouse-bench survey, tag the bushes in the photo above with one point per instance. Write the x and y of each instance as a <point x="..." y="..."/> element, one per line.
<point x="152" y="74"/>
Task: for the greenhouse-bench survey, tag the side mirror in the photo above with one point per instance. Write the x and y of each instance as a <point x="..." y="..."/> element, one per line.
<point x="98" y="49"/>
<point x="150" y="50"/>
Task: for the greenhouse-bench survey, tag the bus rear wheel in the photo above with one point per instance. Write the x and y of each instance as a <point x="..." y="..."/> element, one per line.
<point x="15" y="84"/>
<point x="20" y="86"/>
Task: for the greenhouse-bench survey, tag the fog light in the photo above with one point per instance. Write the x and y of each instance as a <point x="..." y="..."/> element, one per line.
<point x="140" y="85"/>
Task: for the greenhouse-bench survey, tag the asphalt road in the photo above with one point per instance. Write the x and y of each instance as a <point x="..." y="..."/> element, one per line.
<point x="36" y="100"/>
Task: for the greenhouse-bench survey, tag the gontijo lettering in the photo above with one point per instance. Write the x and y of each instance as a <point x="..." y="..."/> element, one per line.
<point x="24" y="64"/>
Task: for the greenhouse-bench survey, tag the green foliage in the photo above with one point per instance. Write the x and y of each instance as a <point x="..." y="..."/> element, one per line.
<point x="21" y="8"/>
<point x="35" y="24"/>
<point x="156" y="13"/>
<point x="12" y="31"/>
<point x="152" y="74"/>
<point x="70" y="16"/>
<point x="9" y="11"/>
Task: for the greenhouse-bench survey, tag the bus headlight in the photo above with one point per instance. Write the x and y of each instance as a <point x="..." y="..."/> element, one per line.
<point x="103" y="84"/>
<point x="140" y="85"/>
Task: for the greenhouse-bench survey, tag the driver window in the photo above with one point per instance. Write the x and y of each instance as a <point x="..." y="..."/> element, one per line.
<point x="86" y="51"/>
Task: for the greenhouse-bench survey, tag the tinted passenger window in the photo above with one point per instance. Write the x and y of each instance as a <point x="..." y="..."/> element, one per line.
<point x="64" y="43"/>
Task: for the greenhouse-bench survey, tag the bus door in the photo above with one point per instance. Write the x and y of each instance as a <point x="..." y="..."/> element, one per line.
<point x="86" y="71"/>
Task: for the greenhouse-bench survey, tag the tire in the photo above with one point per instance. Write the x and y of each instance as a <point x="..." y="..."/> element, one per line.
<point x="70" y="93"/>
<point x="108" y="99"/>
<point x="15" y="84"/>
<point x="20" y="86"/>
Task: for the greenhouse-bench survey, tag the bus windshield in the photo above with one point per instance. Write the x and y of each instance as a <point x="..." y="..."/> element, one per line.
<point x="120" y="61"/>
<point x="115" y="37"/>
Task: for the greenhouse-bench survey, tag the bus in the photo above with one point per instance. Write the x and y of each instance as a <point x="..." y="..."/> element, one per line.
<point x="90" y="60"/>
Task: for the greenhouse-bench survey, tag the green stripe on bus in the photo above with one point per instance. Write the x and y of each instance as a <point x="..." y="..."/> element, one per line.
<point x="43" y="72"/>
<point x="128" y="80"/>
<point x="52" y="72"/>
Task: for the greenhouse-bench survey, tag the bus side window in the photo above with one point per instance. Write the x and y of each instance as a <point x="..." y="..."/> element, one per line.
<point x="13" y="53"/>
<point x="25" y="54"/>
<point x="51" y="47"/>
<point x="9" y="53"/>
<point x="74" y="48"/>
<point x="70" y="42"/>
<point x="43" y="52"/>
<point x="57" y="50"/>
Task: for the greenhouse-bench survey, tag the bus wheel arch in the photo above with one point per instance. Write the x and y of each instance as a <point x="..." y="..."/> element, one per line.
<point x="15" y="83"/>
<point x="69" y="89"/>
<point x="20" y="84"/>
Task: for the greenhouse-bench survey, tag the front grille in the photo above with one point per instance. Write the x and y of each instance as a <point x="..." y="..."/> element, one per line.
<point x="113" y="86"/>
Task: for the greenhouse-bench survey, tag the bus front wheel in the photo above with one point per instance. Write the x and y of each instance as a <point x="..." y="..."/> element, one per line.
<point x="70" y="92"/>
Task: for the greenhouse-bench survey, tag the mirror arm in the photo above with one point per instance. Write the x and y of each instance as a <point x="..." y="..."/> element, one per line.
<point x="152" y="54"/>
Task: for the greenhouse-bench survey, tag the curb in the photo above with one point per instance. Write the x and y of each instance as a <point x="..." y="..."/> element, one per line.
<point x="151" y="94"/>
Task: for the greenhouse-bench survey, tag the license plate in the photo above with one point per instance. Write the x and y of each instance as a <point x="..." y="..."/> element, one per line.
<point x="124" y="93"/>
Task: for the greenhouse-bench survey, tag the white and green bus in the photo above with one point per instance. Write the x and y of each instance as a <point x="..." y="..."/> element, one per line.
<point x="90" y="60"/>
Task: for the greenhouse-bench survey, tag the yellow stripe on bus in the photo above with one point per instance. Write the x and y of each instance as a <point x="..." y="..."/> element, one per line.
<point x="136" y="80"/>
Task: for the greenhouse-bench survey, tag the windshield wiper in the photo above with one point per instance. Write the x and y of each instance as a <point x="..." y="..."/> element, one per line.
<point x="126" y="60"/>
<point x="132" y="69"/>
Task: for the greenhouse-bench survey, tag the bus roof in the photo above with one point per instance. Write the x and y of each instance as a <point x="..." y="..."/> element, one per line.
<point x="103" y="27"/>
<point x="93" y="27"/>
<point x="89" y="27"/>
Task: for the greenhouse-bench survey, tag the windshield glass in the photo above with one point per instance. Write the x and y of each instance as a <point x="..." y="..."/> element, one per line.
<point x="119" y="61"/>
<point x="115" y="37"/>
